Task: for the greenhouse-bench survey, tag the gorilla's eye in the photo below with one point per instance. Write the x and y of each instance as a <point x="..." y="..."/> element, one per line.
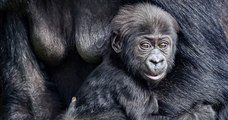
<point x="163" y="44"/>
<point x="145" y="45"/>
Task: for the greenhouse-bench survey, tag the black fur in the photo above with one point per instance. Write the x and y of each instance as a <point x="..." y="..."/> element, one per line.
<point x="200" y="72"/>
<point x="116" y="82"/>
<point x="40" y="66"/>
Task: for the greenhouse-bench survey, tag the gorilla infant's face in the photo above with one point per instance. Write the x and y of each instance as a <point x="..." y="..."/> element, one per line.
<point x="154" y="54"/>
<point x="145" y="39"/>
<point x="149" y="55"/>
<point x="148" y="50"/>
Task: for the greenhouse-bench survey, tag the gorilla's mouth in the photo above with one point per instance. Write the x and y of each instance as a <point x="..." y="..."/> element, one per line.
<point x="156" y="77"/>
<point x="154" y="73"/>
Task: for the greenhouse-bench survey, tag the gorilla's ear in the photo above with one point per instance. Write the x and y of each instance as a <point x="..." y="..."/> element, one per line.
<point x="116" y="42"/>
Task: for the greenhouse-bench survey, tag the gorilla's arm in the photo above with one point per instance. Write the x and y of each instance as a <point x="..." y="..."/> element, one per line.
<point x="25" y="94"/>
<point x="112" y="114"/>
<point x="200" y="112"/>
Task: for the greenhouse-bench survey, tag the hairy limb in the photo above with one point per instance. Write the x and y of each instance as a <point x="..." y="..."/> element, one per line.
<point x="112" y="114"/>
<point x="200" y="112"/>
<point x="25" y="95"/>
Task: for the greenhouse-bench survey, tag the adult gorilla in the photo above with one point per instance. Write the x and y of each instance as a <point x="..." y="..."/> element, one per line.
<point x="45" y="43"/>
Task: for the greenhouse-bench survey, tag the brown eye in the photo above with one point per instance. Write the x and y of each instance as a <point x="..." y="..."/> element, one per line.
<point x="145" y="45"/>
<point x="163" y="44"/>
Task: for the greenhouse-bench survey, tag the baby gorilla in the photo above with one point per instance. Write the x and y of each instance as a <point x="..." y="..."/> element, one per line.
<point x="142" y="52"/>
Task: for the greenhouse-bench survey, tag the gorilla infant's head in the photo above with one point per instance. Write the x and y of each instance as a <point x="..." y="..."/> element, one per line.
<point x="145" y="38"/>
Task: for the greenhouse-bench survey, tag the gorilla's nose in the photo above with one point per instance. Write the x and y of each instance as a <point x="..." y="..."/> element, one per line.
<point x="156" y="60"/>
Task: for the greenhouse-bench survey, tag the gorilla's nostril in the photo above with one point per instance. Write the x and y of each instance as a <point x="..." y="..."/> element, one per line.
<point x="162" y="60"/>
<point x="154" y="61"/>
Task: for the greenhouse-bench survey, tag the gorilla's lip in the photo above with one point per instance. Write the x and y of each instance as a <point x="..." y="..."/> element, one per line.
<point x="155" y="77"/>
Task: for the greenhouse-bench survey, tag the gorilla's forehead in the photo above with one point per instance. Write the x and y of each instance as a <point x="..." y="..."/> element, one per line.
<point x="156" y="28"/>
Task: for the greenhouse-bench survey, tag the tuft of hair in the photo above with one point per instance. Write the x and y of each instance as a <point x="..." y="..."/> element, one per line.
<point x="130" y="16"/>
